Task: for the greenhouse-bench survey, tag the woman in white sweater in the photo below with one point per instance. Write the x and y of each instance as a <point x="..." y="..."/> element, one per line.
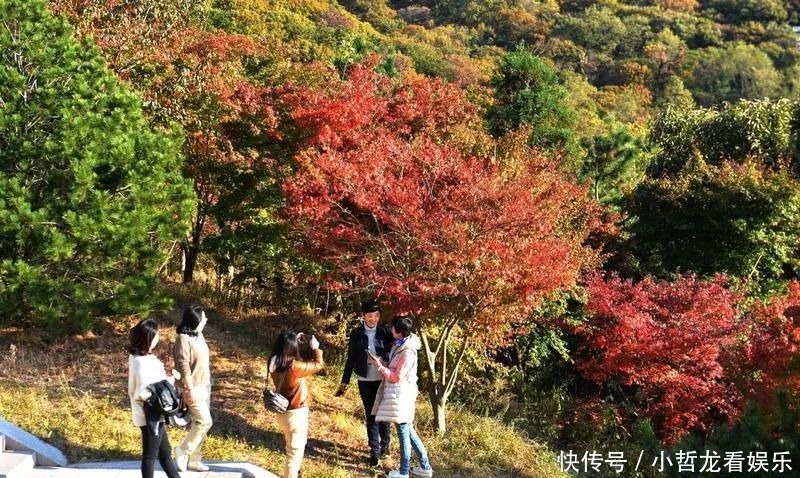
<point x="144" y="368"/>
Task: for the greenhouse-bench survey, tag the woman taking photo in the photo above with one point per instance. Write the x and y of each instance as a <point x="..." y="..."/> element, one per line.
<point x="397" y="397"/>
<point x="288" y="372"/>
<point x="192" y="361"/>
<point x="144" y="369"/>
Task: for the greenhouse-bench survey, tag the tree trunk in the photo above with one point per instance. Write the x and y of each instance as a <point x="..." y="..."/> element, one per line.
<point x="191" y="246"/>
<point x="442" y="378"/>
<point x="189" y="262"/>
<point x="438" y="406"/>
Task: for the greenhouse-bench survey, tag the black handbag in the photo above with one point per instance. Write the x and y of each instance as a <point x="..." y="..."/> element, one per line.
<point x="273" y="400"/>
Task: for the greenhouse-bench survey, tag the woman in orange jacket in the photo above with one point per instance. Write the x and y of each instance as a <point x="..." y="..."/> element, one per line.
<point x="288" y="372"/>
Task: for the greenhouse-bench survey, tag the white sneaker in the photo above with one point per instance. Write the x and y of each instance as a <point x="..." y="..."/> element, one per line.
<point x="397" y="474"/>
<point x="419" y="471"/>
<point x="181" y="459"/>
<point x="198" y="466"/>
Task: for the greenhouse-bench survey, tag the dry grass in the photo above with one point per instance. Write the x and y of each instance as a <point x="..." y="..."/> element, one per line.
<point x="73" y="394"/>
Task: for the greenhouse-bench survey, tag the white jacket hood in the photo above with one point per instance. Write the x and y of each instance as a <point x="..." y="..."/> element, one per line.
<point x="412" y="342"/>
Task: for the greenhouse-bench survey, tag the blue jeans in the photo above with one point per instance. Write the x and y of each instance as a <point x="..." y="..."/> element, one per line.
<point x="408" y="438"/>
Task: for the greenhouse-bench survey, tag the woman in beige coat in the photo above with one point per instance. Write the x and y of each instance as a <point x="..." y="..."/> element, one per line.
<point x="192" y="361"/>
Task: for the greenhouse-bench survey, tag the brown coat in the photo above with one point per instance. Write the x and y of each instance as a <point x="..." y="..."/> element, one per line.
<point x="294" y="385"/>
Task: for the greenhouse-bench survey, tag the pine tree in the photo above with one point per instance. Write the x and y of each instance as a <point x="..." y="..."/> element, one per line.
<point x="528" y="92"/>
<point x="612" y="163"/>
<point x="89" y="195"/>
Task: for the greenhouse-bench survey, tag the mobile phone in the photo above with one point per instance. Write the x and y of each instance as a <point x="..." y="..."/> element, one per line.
<point x="371" y="354"/>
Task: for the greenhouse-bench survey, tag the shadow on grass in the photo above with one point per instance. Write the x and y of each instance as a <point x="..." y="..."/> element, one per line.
<point x="78" y="452"/>
<point x="232" y="425"/>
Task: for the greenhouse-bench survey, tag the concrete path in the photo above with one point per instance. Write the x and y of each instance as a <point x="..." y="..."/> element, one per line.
<point x="49" y="472"/>
<point x="24" y="456"/>
<point x="219" y="469"/>
<point x="130" y="469"/>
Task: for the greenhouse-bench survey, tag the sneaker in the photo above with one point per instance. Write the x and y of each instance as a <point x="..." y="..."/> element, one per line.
<point x="397" y="474"/>
<point x="384" y="451"/>
<point x="419" y="471"/>
<point x="181" y="459"/>
<point x="374" y="460"/>
<point x="198" y="466"/>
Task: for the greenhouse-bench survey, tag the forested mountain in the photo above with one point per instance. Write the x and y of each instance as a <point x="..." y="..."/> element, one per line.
<point x="591" y="207"/>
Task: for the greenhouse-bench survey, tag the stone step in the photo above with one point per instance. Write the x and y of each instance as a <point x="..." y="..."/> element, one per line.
<point x="18" y="439"/>
<point x="219" y="469"/>
<point x="16" y="464"/>
<point x="45" y="472"/>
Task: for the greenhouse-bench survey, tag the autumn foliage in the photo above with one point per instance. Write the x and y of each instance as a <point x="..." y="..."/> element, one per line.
<point x="401" y="193"/>
<point x="689" y="354"/>
<point x="668" y="345"/>
<point x="386" y="194"/>
<point x="391" y="182"/>
<point x="770" y="355"/>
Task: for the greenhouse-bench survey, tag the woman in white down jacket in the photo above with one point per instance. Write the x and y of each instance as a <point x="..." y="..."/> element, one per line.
<point x="397" y="397"/>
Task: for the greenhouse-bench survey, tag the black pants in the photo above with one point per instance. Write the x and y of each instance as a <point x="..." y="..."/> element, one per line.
<point x="378" y="434"/>
<point x="157" y="447"/>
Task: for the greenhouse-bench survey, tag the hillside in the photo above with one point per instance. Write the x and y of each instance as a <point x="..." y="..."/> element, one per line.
<point x="73" y="394"/>
<point x="620" y="60"/>
<point x="592" y="209"/>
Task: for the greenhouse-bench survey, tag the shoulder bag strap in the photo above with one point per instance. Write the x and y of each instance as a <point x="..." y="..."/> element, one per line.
<point x="280" y="382"/>
<point x="269" y="376"/>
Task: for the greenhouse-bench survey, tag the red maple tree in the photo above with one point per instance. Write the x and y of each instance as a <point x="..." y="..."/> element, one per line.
<point x="769" y="360"/>
<point x="389" y="193"/>
<point x="669" y="343"/>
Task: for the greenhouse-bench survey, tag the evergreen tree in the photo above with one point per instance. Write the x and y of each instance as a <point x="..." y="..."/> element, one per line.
<point x="677" y="95"/>
<point x="90" y="197"/>
<point x="764" y="129"/>
<point x="612" y="163"/>
<point x="741" y="220"/>
<point x="528" y="92"/>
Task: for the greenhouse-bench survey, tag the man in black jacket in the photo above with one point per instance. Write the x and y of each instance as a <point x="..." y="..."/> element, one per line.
<point x="376" y="338"/>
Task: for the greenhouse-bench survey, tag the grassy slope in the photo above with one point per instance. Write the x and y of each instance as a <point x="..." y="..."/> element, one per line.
<point x="73" y="394"/>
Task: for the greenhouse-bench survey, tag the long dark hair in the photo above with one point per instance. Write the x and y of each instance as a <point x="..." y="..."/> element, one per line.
<point x="285" y="350"/>
<point x="192" y="315"/>
<point x="141" y="336"/>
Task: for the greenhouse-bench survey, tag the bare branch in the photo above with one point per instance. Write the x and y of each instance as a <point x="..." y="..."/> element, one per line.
<point x="445" y="341"/>
<point x="451" y="381"/>
<point x="447" y="326"/>
<point x="430" y="358"/>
